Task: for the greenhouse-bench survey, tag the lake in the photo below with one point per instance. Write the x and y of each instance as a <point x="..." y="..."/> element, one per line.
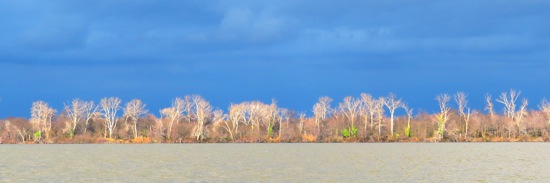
<point x="343" y="162"/>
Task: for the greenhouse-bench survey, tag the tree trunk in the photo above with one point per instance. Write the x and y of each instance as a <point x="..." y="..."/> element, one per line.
<point x="135" y="130"/>
<point x="391" y="123"/>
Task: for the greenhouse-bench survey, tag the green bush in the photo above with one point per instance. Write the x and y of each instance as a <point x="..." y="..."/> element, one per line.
<point x="37" y="134"/>
<point x="408" y="131"/>
<point x="345" y="133"/>
<point x="352" y="132"/>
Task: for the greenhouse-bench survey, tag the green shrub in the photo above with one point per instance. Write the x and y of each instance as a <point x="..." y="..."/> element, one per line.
<point x="37" y="134"/>
<point x="408" y="131"/>
<point x="345" y="133"/>
<point x="352" y="132"/>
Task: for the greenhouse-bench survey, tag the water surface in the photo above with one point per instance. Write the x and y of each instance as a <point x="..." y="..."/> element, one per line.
<point x="344" y="162"/>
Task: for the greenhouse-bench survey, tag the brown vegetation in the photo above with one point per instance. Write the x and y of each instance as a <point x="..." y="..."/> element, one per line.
<point x="363" y="119"/>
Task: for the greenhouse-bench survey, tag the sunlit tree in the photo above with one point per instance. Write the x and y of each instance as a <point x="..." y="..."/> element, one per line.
<point x="350" y="108"/>
<point x="443" y="116"/>
<point x="90" y="111"/>
<point x="202" y="111"/>
<point x="392" y="103"/>
<point x="463" y="109"/>
<point x="368" y="110"/>
<point x="41" y="119"/>
<point x="321" y="111"/>
<point x="509" y="102"/>
<point x="109" y="108"/>
<point x="133" y="110"/>
<point x="76" y="111"/>
<point x="174" y="114"/>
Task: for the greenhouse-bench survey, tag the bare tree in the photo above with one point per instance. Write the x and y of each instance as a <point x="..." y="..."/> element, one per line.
<point x="283" y="115"/>
<point x="368" y="109"/>
<point x="350" y="108"/>
<point x="203" y="113"/>
<point x="187" y="110"/>
<point x="463" y="109"/>
<point x="158" y="130"/>
<point x="509" y="102"/>
<point x="254" y="110"/>
<point x="89" y="112"/>
<point x="520" y="114"/>
<point x="76" y="111"/>
<point x="269" y="115"/>
<point x="321" y="111"/>
<point x="237" y="113"/>
<point x="41" y="118"/>
<point x="489" y="106"/>
<point x="443" y="116"/>
<point x="219" y="117"/>
<point x="109" y="108"/>
<point x="379" y="108"/>
<point x="392" y="104"/>
<point x="20" y="132"/>
<point x="301" y="121"/>
<point x="133" y="110"/>
<point x="174" y="114"/>
<point x="461" y="101"/>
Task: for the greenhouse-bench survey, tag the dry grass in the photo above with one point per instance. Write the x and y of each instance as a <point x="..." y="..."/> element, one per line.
<point x="142" y="140"/>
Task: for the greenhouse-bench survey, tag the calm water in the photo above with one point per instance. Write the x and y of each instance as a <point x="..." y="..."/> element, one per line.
<point x="411" y="162"/>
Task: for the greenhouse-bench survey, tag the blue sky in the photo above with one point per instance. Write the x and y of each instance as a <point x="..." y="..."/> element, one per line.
<point x="293" y="51"/>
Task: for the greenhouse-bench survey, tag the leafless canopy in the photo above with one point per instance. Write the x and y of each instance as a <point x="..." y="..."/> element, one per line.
<point x="321" y="111"/>
<point x="392" y="103"/>
<point x="41" y="117"/>
<point x="133" y="110"/>
<point x="109" y="108"/>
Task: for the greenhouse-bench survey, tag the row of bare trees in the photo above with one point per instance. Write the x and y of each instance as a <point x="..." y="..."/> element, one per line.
<point x="363" y="118"/>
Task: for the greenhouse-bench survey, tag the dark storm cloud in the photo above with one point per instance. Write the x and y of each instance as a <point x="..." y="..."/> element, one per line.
<point x="266" y="49"/>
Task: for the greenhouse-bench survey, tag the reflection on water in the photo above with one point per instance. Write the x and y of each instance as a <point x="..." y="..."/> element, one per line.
<point x="393" y="162"/>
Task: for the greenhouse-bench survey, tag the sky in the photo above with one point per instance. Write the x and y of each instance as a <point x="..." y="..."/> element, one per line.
<point x="292" y="51"/>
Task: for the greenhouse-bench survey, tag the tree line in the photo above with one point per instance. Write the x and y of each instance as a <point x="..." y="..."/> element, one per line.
<point x="354" y="119"/>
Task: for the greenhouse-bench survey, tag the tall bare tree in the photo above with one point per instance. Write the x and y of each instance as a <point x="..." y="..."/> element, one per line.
<point x="350" y="108"/>
<point x="109" y="108"/>
<point x="392" y="104"/>
<point x="237" y="113"/>
<point x="174" y="114"/>
<point x="221" y="118"/>
<point x="269" y="115"/>
<point x="509" y="102"/>
<point x="520" y="114"/>
<point x="41" y="119"/>
<point x="301" y="121"/>
<point x="133" y="110"/>
<point x="203" y="113"/>
<point x="443" y="116"/>
<point x="283" y="115"/>
<point x="76" y="111"/>
<point x="321" y="111"/>
<point x="489" y="107"/>
<point x="463" y="109"/>
<point x="187" y="110"/>
<point x="379" y="108"/>
<point x="368" y="109"/>
<point x="90" y="111"/>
